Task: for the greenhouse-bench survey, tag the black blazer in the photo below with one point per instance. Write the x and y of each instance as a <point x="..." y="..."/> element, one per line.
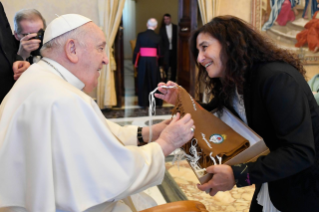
<point x="165" y="44"/>
<point x="8" y="54"/>
<point x="281" y="108"/>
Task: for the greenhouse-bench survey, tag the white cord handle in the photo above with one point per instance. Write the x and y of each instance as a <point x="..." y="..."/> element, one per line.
<point x="152" y="108"/>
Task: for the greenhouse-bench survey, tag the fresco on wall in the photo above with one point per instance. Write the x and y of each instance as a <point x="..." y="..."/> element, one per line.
<point x="293" y="24"/>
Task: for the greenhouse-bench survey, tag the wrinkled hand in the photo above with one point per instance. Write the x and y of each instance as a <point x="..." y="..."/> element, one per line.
<point x="222" y="180"/>
<point x="27" y="45"/>
<point x="167" y="94"/>
<point x="176" y="134"/>
<point x="19" y="67"/>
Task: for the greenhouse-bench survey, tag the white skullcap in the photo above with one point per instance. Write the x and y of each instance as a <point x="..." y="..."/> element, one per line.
<point x="63" y="24"/>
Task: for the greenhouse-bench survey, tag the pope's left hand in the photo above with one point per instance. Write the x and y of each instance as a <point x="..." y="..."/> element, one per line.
<point x="222" y="180"/>
<point x="19" y="67"/>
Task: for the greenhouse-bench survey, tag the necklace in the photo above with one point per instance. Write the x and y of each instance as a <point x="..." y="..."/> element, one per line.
<point x="54" y="68"/>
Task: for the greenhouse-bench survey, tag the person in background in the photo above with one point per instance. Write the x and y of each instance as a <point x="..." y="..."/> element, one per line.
<point x="57" y="150"/>
<point x="29" y="26"/>
<point x="11" y="64"/>
<point x="265" y="87"/>
<point x="168" y="33"/>
<point x="145" y="58"/>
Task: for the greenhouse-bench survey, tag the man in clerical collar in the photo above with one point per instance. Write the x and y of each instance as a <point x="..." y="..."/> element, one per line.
<point x="58" y="152"/>
<point x="29" y="26"/>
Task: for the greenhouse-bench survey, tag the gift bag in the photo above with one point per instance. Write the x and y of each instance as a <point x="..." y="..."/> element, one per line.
<point x="212" y="137"/>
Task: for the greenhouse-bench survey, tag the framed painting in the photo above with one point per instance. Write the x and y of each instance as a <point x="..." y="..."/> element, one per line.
<point x="284" y="21"/>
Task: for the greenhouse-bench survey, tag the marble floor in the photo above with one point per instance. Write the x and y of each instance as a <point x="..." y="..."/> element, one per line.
<point x="179" y="181"/>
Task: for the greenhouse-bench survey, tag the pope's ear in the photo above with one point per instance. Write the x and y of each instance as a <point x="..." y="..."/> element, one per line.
<point x="71" y="52"/>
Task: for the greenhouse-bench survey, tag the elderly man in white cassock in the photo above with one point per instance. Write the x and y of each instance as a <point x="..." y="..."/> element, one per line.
<point x="57" y="151"/>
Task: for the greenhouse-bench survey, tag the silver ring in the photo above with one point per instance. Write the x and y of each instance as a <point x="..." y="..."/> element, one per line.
<point x="192" y="129"/>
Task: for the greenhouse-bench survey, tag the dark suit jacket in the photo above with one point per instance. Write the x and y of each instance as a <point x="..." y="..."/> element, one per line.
<point x="8" y="54"/>
<point x="281" y="108"/>
<point x="165" y="44"/>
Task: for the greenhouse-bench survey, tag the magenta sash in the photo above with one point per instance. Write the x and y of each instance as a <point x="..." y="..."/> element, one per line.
<point x="148" y="52"/>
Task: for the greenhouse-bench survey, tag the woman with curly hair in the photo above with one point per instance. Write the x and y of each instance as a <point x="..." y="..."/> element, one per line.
<point x="265" y="87"/>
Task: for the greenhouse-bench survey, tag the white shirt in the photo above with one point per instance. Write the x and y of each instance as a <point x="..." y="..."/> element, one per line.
<point x="59" y="153"/>
<point x="169" y="32"/>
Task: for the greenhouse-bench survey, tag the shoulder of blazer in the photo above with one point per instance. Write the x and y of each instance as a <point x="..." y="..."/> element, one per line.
<point x="269" y="69"/>
<point x="260" y="72"/>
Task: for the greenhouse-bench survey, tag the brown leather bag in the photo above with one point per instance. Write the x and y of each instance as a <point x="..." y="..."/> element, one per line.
<point x="213" y="135"/>
<point x="179" y="206"/>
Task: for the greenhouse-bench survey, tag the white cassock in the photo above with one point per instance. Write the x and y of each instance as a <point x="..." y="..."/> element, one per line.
<point x="59" y="153"/>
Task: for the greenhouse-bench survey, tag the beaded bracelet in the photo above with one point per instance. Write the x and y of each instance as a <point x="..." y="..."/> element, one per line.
<point x="139" y="136"/>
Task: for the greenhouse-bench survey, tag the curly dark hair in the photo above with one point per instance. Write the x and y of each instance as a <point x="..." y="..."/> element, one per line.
<point x="242" y="47"/>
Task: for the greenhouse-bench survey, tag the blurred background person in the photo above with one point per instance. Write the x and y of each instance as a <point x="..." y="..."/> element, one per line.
<point x="146" y="54"/>
<point x="168" y="33"/>
<point x="29" y="26"/>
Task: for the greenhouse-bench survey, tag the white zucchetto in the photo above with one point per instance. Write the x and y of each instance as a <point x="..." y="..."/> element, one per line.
<point x="63" y="24"/>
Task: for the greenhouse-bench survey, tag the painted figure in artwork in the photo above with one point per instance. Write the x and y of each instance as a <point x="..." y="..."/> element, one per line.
<point x="310" y="35"/>
<point x="287" y="13"/>
<point x="282" y="11"/>
<point x="310" y="9"/>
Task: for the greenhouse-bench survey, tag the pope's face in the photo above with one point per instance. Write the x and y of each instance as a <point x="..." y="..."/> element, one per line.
<point x="209" y="50"/>
<point x="92" y="57"/>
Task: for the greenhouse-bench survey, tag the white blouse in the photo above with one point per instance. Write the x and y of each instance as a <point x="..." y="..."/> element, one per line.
<point x="263" y="198"/>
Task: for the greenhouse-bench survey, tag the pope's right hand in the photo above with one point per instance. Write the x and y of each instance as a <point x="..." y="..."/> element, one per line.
<point x="176" y="134"/>
<point x="167" y="94"/>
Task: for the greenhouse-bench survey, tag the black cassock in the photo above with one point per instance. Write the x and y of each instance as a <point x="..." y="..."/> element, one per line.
<point x="148" y="74"/>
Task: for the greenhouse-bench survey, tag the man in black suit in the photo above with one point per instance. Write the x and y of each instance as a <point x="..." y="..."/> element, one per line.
<point x="8" y="55"/>
<point x="168" y="33"/>
<point x="145" y="58"/>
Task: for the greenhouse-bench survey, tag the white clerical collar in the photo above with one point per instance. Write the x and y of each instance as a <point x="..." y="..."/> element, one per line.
<point x="59" y="70"/>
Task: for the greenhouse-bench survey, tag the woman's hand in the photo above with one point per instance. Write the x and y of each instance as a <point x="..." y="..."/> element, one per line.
<point x="222" y="180"/>
<point x="167" y="94"/>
